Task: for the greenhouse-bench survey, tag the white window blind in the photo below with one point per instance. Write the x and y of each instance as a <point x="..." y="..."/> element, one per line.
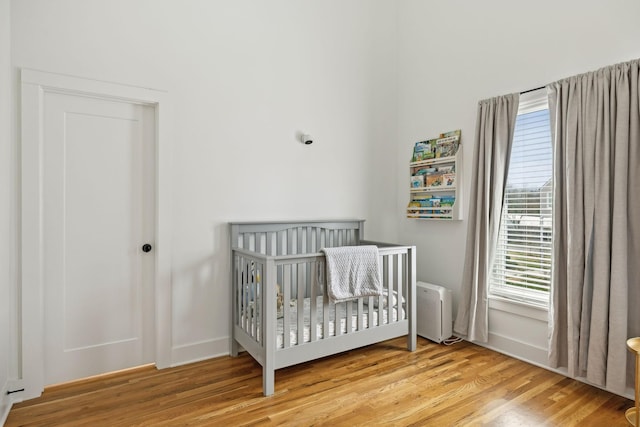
<point x="522" y="263"/>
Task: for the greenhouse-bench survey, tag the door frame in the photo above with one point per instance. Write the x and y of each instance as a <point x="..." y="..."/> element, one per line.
<point x="34" y="85"/>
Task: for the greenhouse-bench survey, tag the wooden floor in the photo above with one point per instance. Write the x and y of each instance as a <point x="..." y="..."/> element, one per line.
<point x="383" y="384"/>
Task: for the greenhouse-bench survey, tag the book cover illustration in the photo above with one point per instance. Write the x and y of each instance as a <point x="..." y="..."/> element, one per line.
<point x="448" y="143"/>
<point x="434" y="180"/>
<point x="449" y="179"/>
<point x="445" y="145"/>
<point x="422" y="151"/>
<point x="447" y="201"/>
<point x="413" y="209"/>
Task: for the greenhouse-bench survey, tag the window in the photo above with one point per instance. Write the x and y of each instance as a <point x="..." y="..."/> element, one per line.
<point x="522" y="264"/>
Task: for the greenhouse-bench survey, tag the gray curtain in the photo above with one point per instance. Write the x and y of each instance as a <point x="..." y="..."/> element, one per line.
<point x="494" y="135"/>
<point x="596" y="256"/>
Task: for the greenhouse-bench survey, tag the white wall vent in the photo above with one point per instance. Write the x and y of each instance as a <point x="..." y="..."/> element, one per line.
<point x="434" y="312"/>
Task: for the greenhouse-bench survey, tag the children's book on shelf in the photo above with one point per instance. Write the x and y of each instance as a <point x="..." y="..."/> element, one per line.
<point x="447" y="201"/>
<point x="435" y="203"/>
<point x="434" y="180"/>
<point x="448" y="179"/>
<point x="420" y="202"/>
<point x="423" y="150"/>
<point x="445" y="145"/>
<point x="425" y="171"/>
<point x="417" y="181"/>
<point x="412" y="212"/>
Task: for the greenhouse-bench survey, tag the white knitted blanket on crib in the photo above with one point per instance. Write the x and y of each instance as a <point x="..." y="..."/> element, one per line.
<point x="352" y="272"/>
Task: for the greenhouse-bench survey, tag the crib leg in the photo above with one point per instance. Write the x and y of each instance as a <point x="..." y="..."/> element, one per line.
<point x="411" y="342"/>
<point x="233" y="347"/>
<point x="268" y="381"/>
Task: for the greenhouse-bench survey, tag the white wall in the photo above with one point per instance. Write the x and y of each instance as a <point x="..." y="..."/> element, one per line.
<point x="6" y="191"/>
<point x="453" y="54"/>
<point x="244" y="78"/>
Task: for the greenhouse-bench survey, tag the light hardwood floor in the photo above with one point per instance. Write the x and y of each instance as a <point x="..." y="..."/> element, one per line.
<point x="382" y="384"/>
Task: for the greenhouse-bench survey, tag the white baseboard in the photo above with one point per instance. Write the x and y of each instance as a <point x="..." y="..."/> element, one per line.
<point x="4" y="411"/>
<point x="518" y="349"/>
<point x="189" y="353"/>
<point x="5" y="404"/>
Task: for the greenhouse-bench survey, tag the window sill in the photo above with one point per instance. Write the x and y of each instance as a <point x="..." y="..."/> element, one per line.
<point x="520" y="308"/>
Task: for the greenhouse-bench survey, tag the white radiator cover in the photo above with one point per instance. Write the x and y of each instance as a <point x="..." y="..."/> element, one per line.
<point x="434" y="312"/>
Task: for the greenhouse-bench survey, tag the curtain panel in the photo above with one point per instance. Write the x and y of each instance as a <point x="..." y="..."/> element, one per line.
<point x="494" y="136"/>
<point x="596" y="256"/>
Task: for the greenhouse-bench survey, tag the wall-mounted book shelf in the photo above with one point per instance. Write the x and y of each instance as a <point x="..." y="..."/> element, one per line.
<point x="436" y="179"/>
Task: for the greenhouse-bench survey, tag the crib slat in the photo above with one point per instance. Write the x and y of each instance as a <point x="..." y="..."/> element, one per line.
<point x="348" y="321"/>
<point x="318" y="234"/>
<point x="305" y="247"/>
<point x="247" y="296"/>
<point x="313" y="302"/>
<point x="405" y="283"/>
<point x="256" y="242"/>
<point x="290" y="248"/>
<point x="399" y="286"/>
<point x="286" y="292"/>
<point x="389" y="288"/>
<point x="257" y="310"/>
<point x="261" y="242"/>
<point x="238" y="291"/>
<point x="242" y="302"/>
<point x="252" y="308"/>
<point x="325" y="313"/>
<point x="360" y="314"/>
<point x="301" y="285"/>
<point x="252" y="298"/>
<point x="279" y="238"/>
<point x="268" y="244"/>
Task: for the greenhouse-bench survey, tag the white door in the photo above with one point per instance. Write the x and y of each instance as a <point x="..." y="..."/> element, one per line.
<point x="98" y="211"/>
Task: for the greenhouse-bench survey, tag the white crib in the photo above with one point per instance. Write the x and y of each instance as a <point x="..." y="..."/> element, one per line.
<point x="286" y="255"/>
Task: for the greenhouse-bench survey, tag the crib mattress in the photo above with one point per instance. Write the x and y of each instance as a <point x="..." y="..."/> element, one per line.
<point x="342" y="320"/>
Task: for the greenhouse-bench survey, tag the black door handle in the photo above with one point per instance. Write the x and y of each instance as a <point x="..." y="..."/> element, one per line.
<point x="146" y="247"/>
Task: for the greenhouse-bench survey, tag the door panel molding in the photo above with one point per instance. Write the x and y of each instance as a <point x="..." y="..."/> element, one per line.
<point x="34" y="84"/>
